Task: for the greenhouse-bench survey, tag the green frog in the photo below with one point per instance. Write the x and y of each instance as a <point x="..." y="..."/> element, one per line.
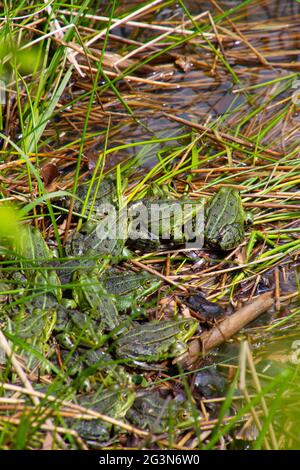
<point x="154" y="341"/>
<point x="32" y="249"/>
<point x="154" y="222"/>
<point x="103" y="369"/>
<point x="225" y="220"/>
<point x="129" y="288"/>
<point x="113" y="402"/>
<point x="34" y="294"/>
<point x="93" y="241"/>
<point x="156" y="413"/>
<point x="33" y="321"/>
<point x="98" y="236"/>
<point x="89" y="292"/>
<point x="74" y="328"/>
<point x="89" y="202"/>
<point x="92" y="368"/>
<point x="36" y="273"/>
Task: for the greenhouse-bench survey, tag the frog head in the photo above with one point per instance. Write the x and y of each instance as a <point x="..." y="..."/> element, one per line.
<point x="186" y="328"/>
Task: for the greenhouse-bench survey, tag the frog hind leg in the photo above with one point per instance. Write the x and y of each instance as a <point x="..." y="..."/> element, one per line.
<point x="232" y="235"/>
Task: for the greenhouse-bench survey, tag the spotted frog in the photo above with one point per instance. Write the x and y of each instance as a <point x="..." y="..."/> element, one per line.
<point x="225" y="220"/>
<point x="155" y="341"/>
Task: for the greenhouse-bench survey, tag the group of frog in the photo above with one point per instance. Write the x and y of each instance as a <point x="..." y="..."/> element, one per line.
<point x="88" y="308"/>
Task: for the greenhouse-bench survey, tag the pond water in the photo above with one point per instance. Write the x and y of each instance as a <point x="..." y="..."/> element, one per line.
<point x="187" y="80"/>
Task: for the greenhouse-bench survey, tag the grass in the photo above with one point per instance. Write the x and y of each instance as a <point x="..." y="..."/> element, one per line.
<point x="165" y="101"/>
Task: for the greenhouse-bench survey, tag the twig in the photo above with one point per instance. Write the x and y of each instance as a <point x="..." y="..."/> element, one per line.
<point x="210" y="133"/>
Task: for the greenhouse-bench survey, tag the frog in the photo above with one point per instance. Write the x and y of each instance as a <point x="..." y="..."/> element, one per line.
<point x="106" y="194"/>
<point x="154" y="341"/>
<point x="33" y="322"/>
<point x="104" y="369"/>
<point x="91" y="368"/>
<point x="65" y="268"/>
<point x="158" y="222"/>
<point x="93" y="241"/>
<point x="32" y="308"/>
<point x="156" y="413"/>
<point x="78" y="328"/>
<point x="97" y="236"/>
<point x="225" y="220"/>
<point x="32" y="249"/>
<point x="113" y="402"/>
<point x="129" y="288"/>
<point x="89" y="292"/>
<point x="30" y="312"/>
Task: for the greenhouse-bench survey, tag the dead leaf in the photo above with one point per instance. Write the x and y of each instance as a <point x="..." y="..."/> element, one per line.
<point x="48" y="173"/>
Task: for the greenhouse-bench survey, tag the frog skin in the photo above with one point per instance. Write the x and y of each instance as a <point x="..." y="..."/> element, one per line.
<point x="32" y="315"/>
<point x="91" y="243"/>
<point x="78" y="328"/>
<point x="33" y="249"/>
<point x="35" y="255"/>
<point x="154" y="341"/>
<point x="65" y="269"/>
<point x="154" y="413"/>
<point x="93" y="368"/>
<point x="114" y="401"/>
<point x="224" y="220"/>
<point x="104" y="369"/>
<point x="154" y="222"/>
<point x="89" y="292"/>
<point x="129" y="288"/>
<point x="106" y="193"/>
<point x="33" y="326"/>
<point x="96" y="237"/>
<point x="111" y="402"/>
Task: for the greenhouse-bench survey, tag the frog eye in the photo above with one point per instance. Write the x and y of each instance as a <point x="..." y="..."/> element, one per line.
<point x="148" y="282"/>
<point x="124" y="396"/>
<point x="186" y="326"/>
<point x="183" y="414"/>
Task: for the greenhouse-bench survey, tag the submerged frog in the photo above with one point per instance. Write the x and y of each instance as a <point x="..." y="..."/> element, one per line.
<point x="225" y="220"/>
<point x="129" y="288"/>
<point x="155" y="341"/>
